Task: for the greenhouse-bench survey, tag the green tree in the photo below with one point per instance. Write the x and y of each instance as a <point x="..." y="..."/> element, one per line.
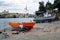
<point x="57" y="4"/>
<point x="49" y="6"/>
<point x="42" y="7"/>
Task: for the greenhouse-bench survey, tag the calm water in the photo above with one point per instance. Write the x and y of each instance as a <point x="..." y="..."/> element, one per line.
<point x="4" y="22"/>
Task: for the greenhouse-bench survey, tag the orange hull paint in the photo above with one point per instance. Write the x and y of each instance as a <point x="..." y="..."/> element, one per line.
<point x="14" y="25"/>
<point x="29" y="24"/>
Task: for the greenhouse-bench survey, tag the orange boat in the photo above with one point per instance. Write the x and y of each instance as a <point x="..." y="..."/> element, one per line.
<point x="29" y="25"/>
<point x="14" y="25"/>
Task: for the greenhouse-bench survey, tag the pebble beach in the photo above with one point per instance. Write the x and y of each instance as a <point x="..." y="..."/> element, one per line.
<point x="41" y="31"/>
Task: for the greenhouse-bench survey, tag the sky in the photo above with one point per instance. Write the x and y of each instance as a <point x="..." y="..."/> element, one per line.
<point x="19" y="6"/>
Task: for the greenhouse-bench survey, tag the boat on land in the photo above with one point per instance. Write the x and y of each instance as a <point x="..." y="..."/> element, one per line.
<point x="45" y="19"/>
<point x="28" y="25"/>
<point x="14" y="25"/>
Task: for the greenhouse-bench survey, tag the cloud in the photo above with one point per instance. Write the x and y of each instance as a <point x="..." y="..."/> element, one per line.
<point x="20" y="5"/>
<point x="2" y="3"/>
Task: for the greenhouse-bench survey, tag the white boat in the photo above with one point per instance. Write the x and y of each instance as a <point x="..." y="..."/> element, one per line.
<point x="45" y="19"/>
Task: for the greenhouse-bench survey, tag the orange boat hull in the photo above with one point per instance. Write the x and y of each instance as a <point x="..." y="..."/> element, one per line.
<point x="14" y="25"/>
<point x="29" y="25"/>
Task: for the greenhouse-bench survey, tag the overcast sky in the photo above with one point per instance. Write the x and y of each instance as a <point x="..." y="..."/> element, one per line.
<point x="20" y="5"/>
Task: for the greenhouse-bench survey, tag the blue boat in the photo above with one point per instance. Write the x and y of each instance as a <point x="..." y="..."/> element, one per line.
<point x="45" y="19"/>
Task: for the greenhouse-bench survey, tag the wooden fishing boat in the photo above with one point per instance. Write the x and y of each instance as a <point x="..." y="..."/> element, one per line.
<point x="29" y="25"/>
<point x="14" y="25"/>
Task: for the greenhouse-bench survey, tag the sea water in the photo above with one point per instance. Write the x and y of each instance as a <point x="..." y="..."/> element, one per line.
<point x="4" y="22"/>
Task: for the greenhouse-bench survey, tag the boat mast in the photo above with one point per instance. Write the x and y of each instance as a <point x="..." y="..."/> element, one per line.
<point x="26" y="9"/>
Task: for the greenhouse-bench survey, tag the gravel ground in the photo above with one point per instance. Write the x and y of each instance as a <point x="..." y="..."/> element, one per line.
<point x="41" y="31"/>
